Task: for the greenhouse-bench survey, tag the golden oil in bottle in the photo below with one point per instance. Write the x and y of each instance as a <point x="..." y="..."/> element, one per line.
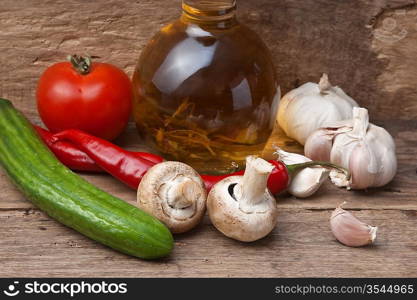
<point x="205" y="89"/>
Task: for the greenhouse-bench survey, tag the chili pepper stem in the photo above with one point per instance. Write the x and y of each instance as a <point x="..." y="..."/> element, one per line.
<point x="292" y="169"/>
<point x="80" y="63"/>
<point x="254" y="182"/>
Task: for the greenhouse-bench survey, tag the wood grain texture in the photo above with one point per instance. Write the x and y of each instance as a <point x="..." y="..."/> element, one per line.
<point x="395" y="32"/>
<point x="306" y="38"/>
<point x="356" y="42"/>
<point x="301" y="245"/>
<point x="32" y="244"/>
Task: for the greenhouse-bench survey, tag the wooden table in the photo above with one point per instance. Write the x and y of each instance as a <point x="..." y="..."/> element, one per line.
<point x="373" y="61"/>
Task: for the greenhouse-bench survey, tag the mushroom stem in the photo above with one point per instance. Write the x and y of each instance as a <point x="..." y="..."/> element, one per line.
<point x="253" y="185"/>
<point x="182" y="193"/>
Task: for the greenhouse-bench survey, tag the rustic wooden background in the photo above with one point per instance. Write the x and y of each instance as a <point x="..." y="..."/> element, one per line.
<point x="369" y="48"/>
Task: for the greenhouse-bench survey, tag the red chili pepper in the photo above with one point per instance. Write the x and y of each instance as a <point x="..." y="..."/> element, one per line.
<point x="68" y="154"/>
<point x="280" y="177"/>
<point x="211" y="180"/>
<point x="278" y="180"/>
<point x="77" y="160"/>
<point x="129" y="167"/>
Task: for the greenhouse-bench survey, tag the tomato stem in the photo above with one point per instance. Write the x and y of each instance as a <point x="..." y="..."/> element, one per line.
<point x="80" y="63"/>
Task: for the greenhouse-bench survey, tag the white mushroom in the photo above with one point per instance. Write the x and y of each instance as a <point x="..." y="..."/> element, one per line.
<point x="174" y="193"/>
<point x="241" y="207"/>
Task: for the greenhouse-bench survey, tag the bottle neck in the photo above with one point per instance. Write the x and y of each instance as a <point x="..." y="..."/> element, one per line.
<point x="213" y="13"/>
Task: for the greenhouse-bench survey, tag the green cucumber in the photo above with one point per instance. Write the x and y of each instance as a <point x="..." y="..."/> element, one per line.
<point x="71" y="200"/>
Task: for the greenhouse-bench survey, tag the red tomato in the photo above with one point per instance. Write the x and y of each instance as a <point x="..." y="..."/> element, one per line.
<point x="98" y="102"/>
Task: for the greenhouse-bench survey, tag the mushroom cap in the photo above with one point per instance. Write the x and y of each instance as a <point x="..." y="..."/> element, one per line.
<point x="228" y="218"/>
<point x="174" y="193"/>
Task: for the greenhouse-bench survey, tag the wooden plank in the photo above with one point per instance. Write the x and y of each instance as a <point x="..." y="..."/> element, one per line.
<point x="306" y="38"/>
<point x="301" y="245"/>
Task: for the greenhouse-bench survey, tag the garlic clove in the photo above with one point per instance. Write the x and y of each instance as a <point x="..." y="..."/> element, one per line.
<point x="362" y="164"/>
<point x="307" y="181"/>
<point x="383" y="147"/>
<point x="289" y="158"/>
<point x="349" y="230"/>
<point x="319" y="144"/>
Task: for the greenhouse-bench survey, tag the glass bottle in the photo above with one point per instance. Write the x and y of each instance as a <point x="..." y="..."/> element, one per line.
<point x="205" y="89"/>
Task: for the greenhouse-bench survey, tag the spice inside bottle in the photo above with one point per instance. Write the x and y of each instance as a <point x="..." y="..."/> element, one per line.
<point x="205" y="89"/>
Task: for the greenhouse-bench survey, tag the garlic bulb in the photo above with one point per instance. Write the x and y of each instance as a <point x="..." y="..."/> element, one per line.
<point x="311" y="106"/>
<point x="349" y="230"/>
<point x="368" y="151"/>
<point x="306" y="181"/>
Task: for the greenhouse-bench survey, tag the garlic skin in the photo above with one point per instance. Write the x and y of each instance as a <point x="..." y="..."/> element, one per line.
<point x="312" y="106"/>
<point x="350" y="231"/>
<point x="368" y="151"/>
<point x="307" y="181"/>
